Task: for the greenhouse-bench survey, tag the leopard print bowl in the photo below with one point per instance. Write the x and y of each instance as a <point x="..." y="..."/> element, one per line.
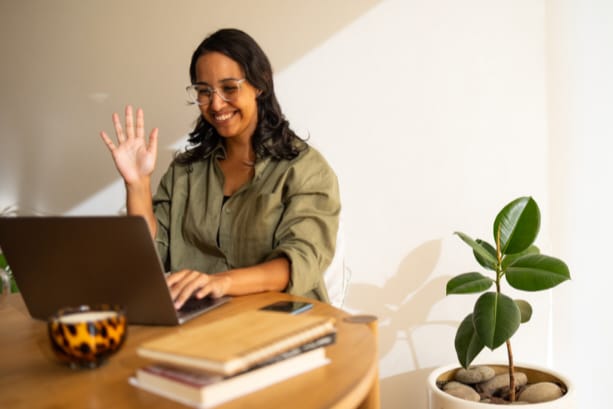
<point x="87" y="336"/>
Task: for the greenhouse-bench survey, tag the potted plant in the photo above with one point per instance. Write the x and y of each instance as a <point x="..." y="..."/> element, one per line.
<point x="496" y="317"/>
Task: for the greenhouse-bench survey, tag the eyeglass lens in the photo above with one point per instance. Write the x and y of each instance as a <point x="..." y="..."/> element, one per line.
<point x="203" y="94"/>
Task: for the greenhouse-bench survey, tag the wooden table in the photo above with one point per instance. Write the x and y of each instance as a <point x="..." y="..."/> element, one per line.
<point x="31" y="377"/>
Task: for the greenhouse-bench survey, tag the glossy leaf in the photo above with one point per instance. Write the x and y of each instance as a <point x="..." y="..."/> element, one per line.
<point x="510" y="258"/>
<point x="519" y="223"/>
<point x="479" y="249"/>
<point x="535" y="272"/>
<point x="3" y="263"/>
<point x="496" y="318"/>
<point x="486" y="263"/>
<point x="468" y="283"/>
<point x="525" y="310"/>
<point x="467" y="342"/>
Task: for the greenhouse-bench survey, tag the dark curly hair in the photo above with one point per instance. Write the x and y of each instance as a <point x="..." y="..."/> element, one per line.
<point x="273" y="136"/>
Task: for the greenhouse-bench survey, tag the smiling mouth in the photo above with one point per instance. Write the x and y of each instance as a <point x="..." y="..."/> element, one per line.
<point x="223" y="117"/>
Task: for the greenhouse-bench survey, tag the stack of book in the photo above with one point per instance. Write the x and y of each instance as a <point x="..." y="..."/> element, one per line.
<point x="210" y="364"/>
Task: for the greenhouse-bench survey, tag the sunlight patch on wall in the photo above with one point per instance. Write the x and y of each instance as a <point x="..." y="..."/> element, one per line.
<point x="98" y="57"/>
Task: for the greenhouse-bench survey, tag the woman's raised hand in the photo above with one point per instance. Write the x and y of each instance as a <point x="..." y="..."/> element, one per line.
<point x="134" y="157"/>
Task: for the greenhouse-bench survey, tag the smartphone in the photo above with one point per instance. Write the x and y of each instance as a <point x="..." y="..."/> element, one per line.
<point x="290" y="307"/>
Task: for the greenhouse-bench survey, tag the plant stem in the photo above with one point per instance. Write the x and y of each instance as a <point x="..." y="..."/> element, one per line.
<point x="499" y="273"/>
<point x="499" y="261"/>
<point x="511" y="372"/>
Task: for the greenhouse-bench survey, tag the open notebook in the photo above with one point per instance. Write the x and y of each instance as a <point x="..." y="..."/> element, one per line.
<point x="69" y="261"/>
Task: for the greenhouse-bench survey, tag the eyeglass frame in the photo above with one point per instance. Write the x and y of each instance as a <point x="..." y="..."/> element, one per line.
<point x="214" y="90"/>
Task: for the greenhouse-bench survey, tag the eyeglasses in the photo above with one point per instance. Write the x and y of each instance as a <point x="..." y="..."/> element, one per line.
<point x="199" y="94"/>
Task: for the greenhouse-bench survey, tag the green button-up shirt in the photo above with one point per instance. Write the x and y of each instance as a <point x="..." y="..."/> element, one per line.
<point x="290" y="208"/>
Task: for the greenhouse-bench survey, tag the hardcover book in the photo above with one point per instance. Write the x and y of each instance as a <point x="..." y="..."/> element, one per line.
<point x="238" y="343"/>
<point x="204" y="389"/>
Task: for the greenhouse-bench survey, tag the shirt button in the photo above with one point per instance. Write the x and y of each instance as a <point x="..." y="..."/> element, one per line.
<point x="228" y="211"/>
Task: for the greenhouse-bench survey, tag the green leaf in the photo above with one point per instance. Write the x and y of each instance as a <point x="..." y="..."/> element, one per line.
<point x="467" y="342"/>
<point x="496" y="318"/>
<point x="468" y="283"/>
<point x="14" y="288"/>
<point x="525" y="309"/>
<point x="483" y="262"/>
<point x="510" y="258"/>
<point x="479" y="249"/>
<point x="536" y="272"/>
<point x="519" y="223"/>
<point x="3" y="262"/>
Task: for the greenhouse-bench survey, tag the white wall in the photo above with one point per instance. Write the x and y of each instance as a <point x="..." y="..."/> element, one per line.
<point x="580" y="100"/>
<point x="434" y="113"/>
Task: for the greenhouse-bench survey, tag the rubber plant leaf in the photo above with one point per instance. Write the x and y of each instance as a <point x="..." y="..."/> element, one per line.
<point x="518" y="224"/>
<point x="510" y="259"/>
<point x="496" y="318"/>
<point x="525" y="310"/>
<point x="486" y="263"/>
<point x="536" y="272"/>
<point x="469" y="283"/>
<point x="479" y="249"/>
<point x="467" y="343"/>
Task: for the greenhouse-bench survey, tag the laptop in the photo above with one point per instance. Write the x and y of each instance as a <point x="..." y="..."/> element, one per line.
<point x="70" y="261"/>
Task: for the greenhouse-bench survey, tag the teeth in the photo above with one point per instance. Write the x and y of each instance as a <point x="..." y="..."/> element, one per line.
<point x="223" y="117"/>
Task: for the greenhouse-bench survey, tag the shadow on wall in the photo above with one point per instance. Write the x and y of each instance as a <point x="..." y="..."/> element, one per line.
<point x="404" y="302"/>
<point x="402" y="307"/>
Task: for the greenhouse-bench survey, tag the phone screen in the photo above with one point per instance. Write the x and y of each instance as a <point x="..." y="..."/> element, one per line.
<point x="291" y="307"/>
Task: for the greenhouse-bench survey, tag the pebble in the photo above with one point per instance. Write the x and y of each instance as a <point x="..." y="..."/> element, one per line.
<point x="500" y="381"/>
<point x="459" y="390"/>
<point x="475" y="374"/>
<point x="541" y="392"/>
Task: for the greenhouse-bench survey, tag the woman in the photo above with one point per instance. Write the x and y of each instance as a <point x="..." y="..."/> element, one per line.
<point x="249" y="207"/>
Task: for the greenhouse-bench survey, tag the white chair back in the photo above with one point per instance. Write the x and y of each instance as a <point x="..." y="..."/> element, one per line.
<point x="338" y="274"/>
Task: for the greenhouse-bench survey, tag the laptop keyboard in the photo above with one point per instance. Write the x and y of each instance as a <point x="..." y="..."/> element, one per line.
<point x="194" y="304"/>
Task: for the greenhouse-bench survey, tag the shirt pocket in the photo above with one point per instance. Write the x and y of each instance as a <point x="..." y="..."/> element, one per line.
<point x="255" y="226"/>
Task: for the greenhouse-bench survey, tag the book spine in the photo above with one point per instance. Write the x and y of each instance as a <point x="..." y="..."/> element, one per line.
<point x="318" y="343"/>
<point x="211" y="394"/>
<point x="188" y="361"/>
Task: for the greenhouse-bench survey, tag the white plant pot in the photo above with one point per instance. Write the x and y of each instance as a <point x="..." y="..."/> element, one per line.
<point x="438" y="399"/>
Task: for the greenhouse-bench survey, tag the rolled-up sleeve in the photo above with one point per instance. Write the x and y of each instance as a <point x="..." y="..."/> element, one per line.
<point x="306" y="233"/>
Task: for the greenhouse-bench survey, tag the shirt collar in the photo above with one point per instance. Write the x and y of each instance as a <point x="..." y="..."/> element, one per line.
<point x="219" y="152"/>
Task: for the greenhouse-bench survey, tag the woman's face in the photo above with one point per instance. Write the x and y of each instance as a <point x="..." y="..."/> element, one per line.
<point x="238" y="117"/>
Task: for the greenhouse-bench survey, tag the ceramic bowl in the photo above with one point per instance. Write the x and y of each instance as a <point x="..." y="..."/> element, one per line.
<point x="87" y="336"/>
<point x="438" y="399"/>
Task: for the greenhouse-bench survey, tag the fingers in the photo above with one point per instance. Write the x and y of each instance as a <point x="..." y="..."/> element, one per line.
<point x="109" y="143"/>
<point x="118" y="128"/>
<point x="140" y="123"/>
<point x="129" y="122"/>
<point x="186" y="283"/>
<point x="190" y="283"/>
<point x="132" y="129"/>
<point x="153" y="142"/>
